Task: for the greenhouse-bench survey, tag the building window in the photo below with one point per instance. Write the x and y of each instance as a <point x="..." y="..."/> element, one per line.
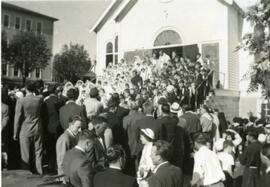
<point x="15" y="71"/>
<point x="6" y="20"/>
<point x="4" y="69"/>
<point x="167" y="37"/>
<point x="116" y="50"/>
<point x="109" y="53"/>
<point x="38" y="72"/>
<point x="18" y="23"/>
<point x="28" y="25"/>
<point x="39" y="27"/>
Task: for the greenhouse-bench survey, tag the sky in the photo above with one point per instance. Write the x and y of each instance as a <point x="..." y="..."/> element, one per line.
<point x="76" y="17"/>
<point x="75" y="20"/>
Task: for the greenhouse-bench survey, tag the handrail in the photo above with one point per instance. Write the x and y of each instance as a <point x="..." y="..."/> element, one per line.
<point x="204" y="80"/>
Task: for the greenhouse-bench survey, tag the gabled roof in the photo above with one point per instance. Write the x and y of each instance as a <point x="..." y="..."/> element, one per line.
<point x="130" y="3"/>
<point x="27" y="11"/>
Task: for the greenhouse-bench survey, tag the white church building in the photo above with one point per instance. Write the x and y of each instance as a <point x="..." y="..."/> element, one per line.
<point x="211" y="27"/>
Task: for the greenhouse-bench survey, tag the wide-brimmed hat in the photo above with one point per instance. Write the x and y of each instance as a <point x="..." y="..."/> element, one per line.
<point x="175" y="108"/>
<point x="148" y="133"/>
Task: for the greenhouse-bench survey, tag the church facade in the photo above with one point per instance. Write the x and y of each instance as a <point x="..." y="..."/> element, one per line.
<point x="139" y="27"/>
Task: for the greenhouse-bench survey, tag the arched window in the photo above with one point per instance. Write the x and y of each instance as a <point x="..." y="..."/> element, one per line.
<point x="167" y="37"/>
<point x="109" y="53"/>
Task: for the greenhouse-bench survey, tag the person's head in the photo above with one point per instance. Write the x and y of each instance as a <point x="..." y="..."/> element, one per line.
<point x="252" y="136"/>
<point x="30" y="88"/>
<point x="115" y="98"/>
<point x="94" y="93"/>
<point x="228" y="146"/>
<point x="133" y="105"/>
<point x="86" y="140"/>
<point x="134" y="73"/>
<point x="148" y="108"/>
<point x="165" y="108"/>
<point x="186" y="108"/>
<point x="52" y="89"/>
<point x="75" y="124"/>
<point x="72" y="94"/>
<point x="161" y="53"/>
<point x="147" y="135"/>
<point x="204" y="109"/>
<point x="265" y="154"/>
<point x="228" y="135"/>
<point x="116" y="156"/>
<point x="200" y="140"/>
<point x="99" y="124"/>
<point x="198" y="55"/>
<point x="161" y="152"/>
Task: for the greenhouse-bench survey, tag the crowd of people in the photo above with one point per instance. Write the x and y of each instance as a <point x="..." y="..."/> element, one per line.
<point x="136" y="126"/>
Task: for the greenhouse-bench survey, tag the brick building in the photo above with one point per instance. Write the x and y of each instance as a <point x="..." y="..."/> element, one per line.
<point x="17" y="19"/>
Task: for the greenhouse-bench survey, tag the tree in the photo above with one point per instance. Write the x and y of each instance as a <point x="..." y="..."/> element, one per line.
<point x="27" y="51"/>
<point x="72" y="62"/>
<point x="258" y="45"/>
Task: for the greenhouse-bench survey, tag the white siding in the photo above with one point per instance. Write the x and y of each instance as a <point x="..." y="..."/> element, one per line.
<point x="234" y="26"/>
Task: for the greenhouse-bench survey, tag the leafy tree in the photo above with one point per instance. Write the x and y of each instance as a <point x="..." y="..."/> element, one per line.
<point x="71" y="63"/>
<point x="27" y="51"/>
<point x="258" y="45"/>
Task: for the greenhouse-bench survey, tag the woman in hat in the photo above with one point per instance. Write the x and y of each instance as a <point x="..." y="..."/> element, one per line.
<point x="147" y="138"/>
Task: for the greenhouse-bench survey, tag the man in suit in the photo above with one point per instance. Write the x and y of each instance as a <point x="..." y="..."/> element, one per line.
<point x="77" y="166"/>
<point x="28" y="109"/>
<point x="67" y="140"/>
<point x="148" y="122"/>
<point x="192" y="120"/>
<point x="129" y="126"/>
<point x="164" y="174"/>
<point x="113" y="177"/>
<point x="70" y="109"/>
<point x="265" y="158"/>
<point x="52" y="124"/>
<point x="250" y="158"/>
<point x="169" y="123"/>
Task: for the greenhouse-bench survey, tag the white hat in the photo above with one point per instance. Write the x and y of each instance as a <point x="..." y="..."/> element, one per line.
<point x="267" y="126"/>
<point x="262" y="138"/>
<point x="170" y="88"/>
<point x="175" y="108"/>
<point x="149" y="133"/>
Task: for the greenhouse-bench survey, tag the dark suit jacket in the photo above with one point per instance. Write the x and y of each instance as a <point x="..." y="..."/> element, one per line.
<point x="51" y="115"/>
<point x="114" y="178"/>
<point x="28" y="110"/>
<point x="192" y="122"/>
<point x="167" y="175"/>
<point x="265" y="180"/>
<point x="78" y="169"/>
<point x="169" y="124"/>
<point x="149" y="122"/>
<point x="129" y="124"/>
<point x="69" y="110"/>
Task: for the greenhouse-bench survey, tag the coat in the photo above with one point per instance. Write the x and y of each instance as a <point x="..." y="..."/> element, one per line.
<point x="78" y="169"/>
<point x="114" y="178"/>
<point x="192" y="122"/>
<point x="129" y="124"/>
<point x="64" y="143"/>
<point x="167" y="175"/>
<point x="28" y="109"/>
<point x="69" y="110"/>
<point x="51" y="114"/>
<point x="149" y="122"/>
